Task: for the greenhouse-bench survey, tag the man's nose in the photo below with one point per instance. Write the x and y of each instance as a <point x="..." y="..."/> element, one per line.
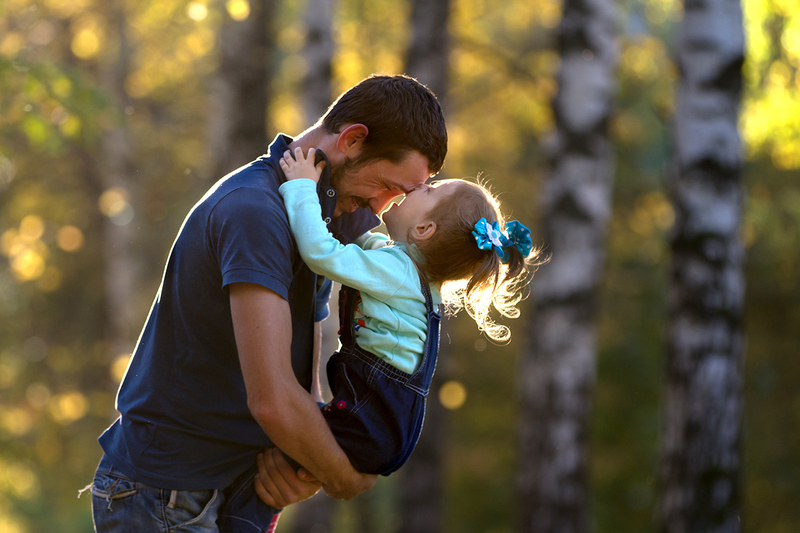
<point x="379" y="203"/>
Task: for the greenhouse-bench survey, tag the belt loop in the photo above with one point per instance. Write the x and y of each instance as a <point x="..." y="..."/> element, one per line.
<point x="173" y="499"/>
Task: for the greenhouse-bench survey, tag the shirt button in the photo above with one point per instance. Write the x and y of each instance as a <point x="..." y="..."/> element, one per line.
<point x="327" y="220"/>
<point x="331" y="193"/>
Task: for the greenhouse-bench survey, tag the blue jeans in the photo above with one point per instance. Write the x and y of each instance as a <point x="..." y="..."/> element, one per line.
<point x="123" y="505"/>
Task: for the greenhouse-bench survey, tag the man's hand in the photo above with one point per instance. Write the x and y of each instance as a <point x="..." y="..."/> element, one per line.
<point x="301" y="167"/>
<point x="278" y="485"/>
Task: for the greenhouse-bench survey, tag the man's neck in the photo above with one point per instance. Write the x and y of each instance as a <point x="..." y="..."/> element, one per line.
<point x="315" y="137"/>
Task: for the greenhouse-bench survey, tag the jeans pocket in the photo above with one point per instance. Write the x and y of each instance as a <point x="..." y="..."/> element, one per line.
<point x="111" y="486"/>
<point x="193" y="510"/>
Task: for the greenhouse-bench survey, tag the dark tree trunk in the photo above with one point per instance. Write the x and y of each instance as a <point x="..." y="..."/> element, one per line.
<point x="115" y="174"/>
<point x="558" y="366"/>
<point x="428" y="55"/>
<point x="318" y="53"/>
<point x="238" y="128"/>
<point x="701" y="456"/>
<point x="422" y="481"/>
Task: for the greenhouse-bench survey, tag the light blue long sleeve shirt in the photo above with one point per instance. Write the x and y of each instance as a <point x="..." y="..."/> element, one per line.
<point x="392" y="304"/>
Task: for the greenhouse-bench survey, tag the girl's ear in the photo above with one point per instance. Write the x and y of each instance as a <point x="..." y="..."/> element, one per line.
<point x="423" y="230"/>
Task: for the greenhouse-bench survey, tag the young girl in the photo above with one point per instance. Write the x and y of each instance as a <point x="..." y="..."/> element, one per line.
<point x="442" y="237"/>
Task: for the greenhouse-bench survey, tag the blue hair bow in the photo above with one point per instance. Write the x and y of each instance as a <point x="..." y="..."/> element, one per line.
<point x="490" y="237"/>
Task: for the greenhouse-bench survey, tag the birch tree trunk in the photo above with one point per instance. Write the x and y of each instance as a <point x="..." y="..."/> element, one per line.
<point x="422" y="481"/>
<point x="701" y="457"/>
<point x="238" y="123"/>
<point x="558" y="366"/>
<point x="116" y="178"/>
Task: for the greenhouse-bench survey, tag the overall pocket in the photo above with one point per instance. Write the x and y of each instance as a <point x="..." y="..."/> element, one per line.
<point x="345" y="398"/>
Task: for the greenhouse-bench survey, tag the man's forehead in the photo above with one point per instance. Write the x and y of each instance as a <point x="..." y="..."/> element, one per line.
<point x="412" y="172"/>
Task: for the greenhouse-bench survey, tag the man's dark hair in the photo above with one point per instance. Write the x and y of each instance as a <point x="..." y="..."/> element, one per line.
<point x="402" y="115"/>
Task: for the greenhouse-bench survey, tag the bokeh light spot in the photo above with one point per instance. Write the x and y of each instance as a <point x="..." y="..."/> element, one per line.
<point x="37" y="395"/>
<point x="28" y="265"/>
<point x="452" y="395"/>
<point x="85" y="44"/>
<point x="69" y="238"/>
<point x="69" y="407"/>
<point x="31" y="227"/>
<point x="16" y="421"/>
<point x="197" y="11"/>
<point x="238" y="9"/>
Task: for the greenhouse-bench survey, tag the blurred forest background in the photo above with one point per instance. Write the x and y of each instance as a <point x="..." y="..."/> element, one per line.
<point x="116" y="116"/>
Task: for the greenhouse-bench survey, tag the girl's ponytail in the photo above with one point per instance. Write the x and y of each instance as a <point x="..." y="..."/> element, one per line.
<point x="474" y="275"/>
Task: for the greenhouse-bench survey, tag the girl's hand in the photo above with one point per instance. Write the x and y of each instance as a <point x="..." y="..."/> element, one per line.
<point x="301" y="167"/>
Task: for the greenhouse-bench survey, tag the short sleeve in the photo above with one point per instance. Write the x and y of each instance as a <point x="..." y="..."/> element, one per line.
<point x="249" y="234"/>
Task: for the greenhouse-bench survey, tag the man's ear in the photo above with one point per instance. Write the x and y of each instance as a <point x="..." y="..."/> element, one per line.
<point x="423" y="230"/>
<point x="351" y="140"/>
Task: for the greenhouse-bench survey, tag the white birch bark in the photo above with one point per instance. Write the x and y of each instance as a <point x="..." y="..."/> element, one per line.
<point x="558" y="366"/>
<point x="701" y="456"/>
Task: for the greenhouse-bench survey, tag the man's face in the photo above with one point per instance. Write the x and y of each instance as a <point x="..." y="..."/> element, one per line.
<point x="374" y="184"/>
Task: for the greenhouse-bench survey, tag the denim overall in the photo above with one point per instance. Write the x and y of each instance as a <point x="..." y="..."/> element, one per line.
<point x="377" y="410"/>
<point x="376" y="414"/>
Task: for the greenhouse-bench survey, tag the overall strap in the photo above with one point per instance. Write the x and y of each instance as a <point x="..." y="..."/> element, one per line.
<point x="348" y="298"/>
<point x="420" y="381"/>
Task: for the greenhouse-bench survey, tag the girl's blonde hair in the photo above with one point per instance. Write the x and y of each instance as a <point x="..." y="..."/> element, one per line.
<point x="471" y="278"/>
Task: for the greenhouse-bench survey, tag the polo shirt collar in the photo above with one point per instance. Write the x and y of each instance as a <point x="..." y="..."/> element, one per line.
<point x="347" y="227"/>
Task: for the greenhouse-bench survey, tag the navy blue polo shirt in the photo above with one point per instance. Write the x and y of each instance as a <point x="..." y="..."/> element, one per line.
<point x="184" y="422"/>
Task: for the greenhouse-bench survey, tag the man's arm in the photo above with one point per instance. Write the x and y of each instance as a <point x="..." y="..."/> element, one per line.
<point x="285" y="411"/>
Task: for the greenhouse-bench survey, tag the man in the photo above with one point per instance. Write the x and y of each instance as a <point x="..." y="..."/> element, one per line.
<point x="223" y="366"/>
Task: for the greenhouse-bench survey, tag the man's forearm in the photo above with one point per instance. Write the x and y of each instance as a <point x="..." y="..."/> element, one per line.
<point x="285" y="411"/>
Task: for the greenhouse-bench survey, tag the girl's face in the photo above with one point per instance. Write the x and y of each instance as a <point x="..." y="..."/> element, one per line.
<point x="402" y="218"/>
